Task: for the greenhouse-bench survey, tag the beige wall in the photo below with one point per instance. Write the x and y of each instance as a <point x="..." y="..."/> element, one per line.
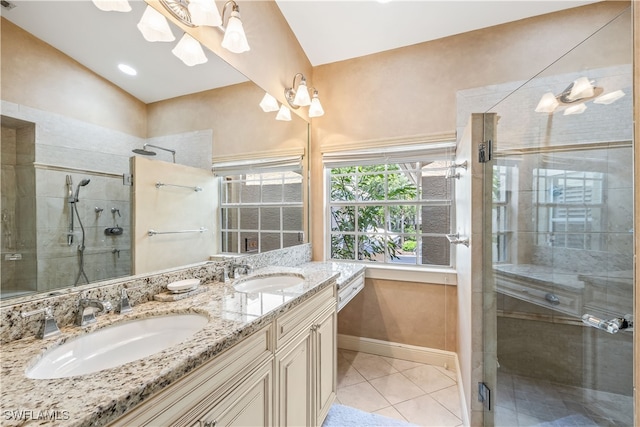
<point x="412" y="91"/>
<point x="36" y="75"/>
<point x="419" y="314"/>
<point x="240" y="127"/>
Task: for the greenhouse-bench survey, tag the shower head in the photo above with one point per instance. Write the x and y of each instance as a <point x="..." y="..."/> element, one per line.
<point x="82" y="183"/>
<point x="146" y="152"/>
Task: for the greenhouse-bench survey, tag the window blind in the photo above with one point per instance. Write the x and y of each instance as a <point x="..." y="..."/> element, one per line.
<point x="273" y="164"/>
<point x="396" y="154"/>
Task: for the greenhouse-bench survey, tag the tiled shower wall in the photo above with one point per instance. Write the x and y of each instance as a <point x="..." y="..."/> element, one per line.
<point x="62" y="146"/>
<point x="17" y="211"/>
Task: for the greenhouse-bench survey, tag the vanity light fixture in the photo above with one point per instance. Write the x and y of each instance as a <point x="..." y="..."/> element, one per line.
<point x="194" y="13"/>
<point x="573" y="98"/>
<point x="284" y="114"/>
<point x="154" y="26"/>
<point x="113" y="5"/>
<point x="269" y="103"/>
<point x="189" y="51"/>
<point x="315" y="109"/>
<point x="299" y="96"/>
<point x="235" y="40"/>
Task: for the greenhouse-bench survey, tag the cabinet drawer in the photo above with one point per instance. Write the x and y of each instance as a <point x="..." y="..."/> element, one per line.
<point x="346" y="293"/>
<point x="178" y="404"/>
<point x="301" y="317"/>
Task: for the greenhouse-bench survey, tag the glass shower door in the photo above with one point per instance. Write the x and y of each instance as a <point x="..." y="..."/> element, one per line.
<point x="559" y="200"/>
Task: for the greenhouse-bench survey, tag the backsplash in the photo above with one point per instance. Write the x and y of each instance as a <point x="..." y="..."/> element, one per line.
<point x="140" y="289"/>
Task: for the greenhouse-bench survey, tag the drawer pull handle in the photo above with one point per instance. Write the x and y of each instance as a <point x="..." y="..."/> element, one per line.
<point x="212" y="423"/>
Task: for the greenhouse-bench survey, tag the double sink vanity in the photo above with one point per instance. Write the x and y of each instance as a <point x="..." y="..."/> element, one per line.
<point x="258" y="350"/>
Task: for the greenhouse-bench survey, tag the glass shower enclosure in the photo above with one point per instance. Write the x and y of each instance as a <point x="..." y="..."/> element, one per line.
<point x="558" y="198"/>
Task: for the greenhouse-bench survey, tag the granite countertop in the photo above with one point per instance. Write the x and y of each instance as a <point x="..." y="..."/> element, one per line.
<point x="98" y="398"/>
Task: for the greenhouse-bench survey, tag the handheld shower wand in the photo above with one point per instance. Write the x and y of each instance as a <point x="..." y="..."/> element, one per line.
<point x="81" y="246"/>
<point x="71" y="200"/>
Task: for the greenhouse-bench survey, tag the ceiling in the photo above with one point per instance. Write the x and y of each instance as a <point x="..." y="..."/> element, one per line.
<point x="328" y="31"/>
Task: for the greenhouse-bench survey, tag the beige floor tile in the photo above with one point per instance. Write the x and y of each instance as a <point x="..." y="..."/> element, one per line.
<point x="396" y="388"/>
<point x="428" y="378"/>
<point x="426" y="411"/>
<point x="348" y="375"/>
<point x="371" y="366"/>
<point x="448" y="372"/>
<point x="390" y="412"/>
<point x="450" y="399"/>
<point x="402" y="365"/>
<point x="362" y="396"/>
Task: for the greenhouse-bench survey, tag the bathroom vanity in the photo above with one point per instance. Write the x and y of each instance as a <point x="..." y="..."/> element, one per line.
<point x="263" y="358"/>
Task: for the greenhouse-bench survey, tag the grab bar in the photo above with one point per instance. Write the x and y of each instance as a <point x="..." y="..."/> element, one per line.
<point x="162" y="184"/>
<point x="154" y="232"/>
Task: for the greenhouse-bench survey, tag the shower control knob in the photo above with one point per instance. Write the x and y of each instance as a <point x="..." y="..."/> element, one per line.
<point x="113" y="231"/>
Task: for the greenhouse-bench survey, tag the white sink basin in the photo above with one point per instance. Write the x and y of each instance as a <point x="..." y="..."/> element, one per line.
<point x="271" y="282"/>
<point x="116" y="345"/>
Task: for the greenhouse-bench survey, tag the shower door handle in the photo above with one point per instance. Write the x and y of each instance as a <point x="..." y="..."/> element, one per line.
<point x="612" y="325"/>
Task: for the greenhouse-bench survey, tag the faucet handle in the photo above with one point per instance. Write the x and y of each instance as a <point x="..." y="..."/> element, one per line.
<point x="125" y="305"/>
<point x="49" y="326"/>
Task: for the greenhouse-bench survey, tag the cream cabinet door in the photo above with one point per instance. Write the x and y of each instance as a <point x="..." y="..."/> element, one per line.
<point x="294" y="367"/>
<point x="248" y="405"/>
<point x="325" y="364"/>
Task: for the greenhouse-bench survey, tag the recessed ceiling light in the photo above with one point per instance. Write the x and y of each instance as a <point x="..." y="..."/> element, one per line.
<point x="127" y="69"/>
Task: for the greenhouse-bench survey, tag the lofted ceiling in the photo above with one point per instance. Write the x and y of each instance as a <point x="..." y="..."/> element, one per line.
<point x="328" y="31"/>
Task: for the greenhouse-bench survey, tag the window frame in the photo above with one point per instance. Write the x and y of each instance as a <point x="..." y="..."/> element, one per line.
<point x="426" y="156"/>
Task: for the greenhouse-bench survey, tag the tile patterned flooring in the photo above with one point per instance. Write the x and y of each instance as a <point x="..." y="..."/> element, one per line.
<point x="523" y="401"/>
<point x="421" y="394"/>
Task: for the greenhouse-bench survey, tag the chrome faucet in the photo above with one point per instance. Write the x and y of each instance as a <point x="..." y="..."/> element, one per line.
<point x="240" y="269"/>
<point x="49" y="326"/>
<point x="87" y="310"/>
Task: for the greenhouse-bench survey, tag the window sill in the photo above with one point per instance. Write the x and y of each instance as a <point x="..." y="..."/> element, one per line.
<point x="439" y="276"/>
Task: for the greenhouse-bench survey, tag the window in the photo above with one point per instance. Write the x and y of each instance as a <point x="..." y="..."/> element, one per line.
<point x="500" y="214"/>
<point x="569" y="208"/>
<point x="396" y="212"/>
<point x="261" y="211"/>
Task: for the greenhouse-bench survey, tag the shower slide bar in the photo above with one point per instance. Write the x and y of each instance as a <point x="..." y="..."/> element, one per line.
<point x="162" y="184"/>
<point x="154" y="232"/>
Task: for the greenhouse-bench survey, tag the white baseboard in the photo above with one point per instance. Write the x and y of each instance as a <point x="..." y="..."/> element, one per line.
<point x="431" y="356"/>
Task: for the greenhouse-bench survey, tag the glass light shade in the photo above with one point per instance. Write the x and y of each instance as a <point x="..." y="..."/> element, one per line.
<point x="582" y="88"/>
<point x="204" y="12"/>
<point x="302" y="95"/>
<point x="269" y="103"/>
<point x="284" y="114"/>
<point x="575" y="109"/>
<point x="154" y="27"/>
<point x="609" y="98"/>
<point x="189" y="51"/>
<point x="234" y="38"/>
<point x="315" y="110"/>
<point x="548" y="103"/>
<point x="113" y="5"/>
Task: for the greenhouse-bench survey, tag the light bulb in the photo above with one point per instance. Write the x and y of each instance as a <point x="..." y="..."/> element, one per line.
<point x="189" y="51"/>
<point x="204" y="12"/>
<point x="234" y="38"/>
<point x="548" y="103"/>
<point x="154" y="27"/>
<point x="269" y="103"/>
<point x="284" y="114"/>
